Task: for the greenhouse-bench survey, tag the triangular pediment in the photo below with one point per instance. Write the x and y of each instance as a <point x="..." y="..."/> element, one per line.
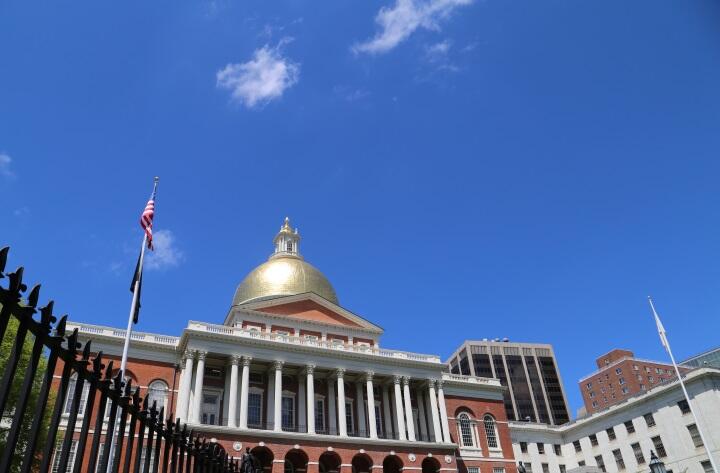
<point x="312" y="308"/>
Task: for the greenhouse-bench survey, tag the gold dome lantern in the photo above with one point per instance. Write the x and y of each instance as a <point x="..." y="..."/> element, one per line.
<point x="285" y="273"/>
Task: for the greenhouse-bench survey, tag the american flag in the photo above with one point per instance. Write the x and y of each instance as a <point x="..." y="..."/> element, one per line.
<point x="146" y="220"/>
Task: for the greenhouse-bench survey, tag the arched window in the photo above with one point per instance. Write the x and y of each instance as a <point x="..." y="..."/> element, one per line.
<point x="71" y="395"/>
<point x="490" y="431"/>
<point x="467" y="438"/>
<point x="158" y="392"/>
<point x="289" y="247"/>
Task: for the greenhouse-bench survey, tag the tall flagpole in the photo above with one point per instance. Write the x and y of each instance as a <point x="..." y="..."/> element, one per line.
<point x="128" y="332"/>
<point x="666" y="344"/>
<point x="136" y="296"/>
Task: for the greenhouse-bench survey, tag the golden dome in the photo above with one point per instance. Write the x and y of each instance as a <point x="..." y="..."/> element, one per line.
<point x="284" y="274"/>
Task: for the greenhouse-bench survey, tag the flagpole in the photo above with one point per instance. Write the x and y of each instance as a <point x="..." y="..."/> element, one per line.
<point x="666" y="344"/>
<point x="128" y="332"/>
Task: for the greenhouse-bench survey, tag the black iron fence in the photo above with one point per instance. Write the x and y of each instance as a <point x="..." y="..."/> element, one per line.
<point x="40" y="432"/>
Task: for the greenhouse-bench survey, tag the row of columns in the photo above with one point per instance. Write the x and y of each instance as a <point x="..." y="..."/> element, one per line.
<point x="306" y="400"/>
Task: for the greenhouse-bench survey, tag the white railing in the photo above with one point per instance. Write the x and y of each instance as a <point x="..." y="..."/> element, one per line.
<point x="461" y="378"/>
<point x="311" y="342"/>
<point x="116" y="333"/>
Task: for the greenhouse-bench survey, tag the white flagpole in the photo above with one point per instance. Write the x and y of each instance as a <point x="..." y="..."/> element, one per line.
<point x="128" y="332"/>
<point x="666" y="344"/>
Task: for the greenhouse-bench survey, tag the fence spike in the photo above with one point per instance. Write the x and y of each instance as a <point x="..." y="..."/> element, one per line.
<point x="34" y="296"/>
<point x="3" y="260"/>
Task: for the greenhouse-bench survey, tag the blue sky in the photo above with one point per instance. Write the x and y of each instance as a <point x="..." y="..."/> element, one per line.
<point x="459" y="169"/>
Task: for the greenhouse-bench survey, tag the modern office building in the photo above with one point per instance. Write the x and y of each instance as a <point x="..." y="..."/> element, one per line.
<point x="710" y="358"/>
<point x="620" y="438"/>
<point x="535" y="390"/>
<point x="621" y="375"/>
<point x="304" y="383"/>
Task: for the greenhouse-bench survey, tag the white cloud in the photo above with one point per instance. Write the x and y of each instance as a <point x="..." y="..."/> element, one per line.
<point x="5" y="171"/>
<point x="401" y="20"/>
<point x="263" y="78"/>
<point x="438" y="51"/>
<point x="166" y="254"/>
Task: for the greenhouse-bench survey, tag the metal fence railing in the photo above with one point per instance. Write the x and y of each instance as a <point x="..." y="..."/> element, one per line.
<point x="40" y="432"/>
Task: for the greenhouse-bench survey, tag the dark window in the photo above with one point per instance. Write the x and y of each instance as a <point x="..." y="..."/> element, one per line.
<point x="593" y="440"/>
<point x="556" y="447"/>
<point x="563" y="469"/>
<point x="610" y="433"/>
<point x="523" y="447"/>
<point x="649" y="419"/>
<point x="481" y="363"/>
<point x="707" y="466"/>
<point x="541" y="448"/>
<point x="537" y="389"/>
<point x="581" y="463"/>
<point x="454" y="367"/>
<point x="684" y="406"/>
<point x="629" y="426"/>
<point x="545" y="468"/>
<point x="695" y="435"/>
<point x="637" y="451"/>
<point x="577" y="446"/>
<point x="521" y="389"/>
<point x="554" y="390"/>
<point x="659" y="447"/>
<point x="464" y="365"/>
<point x="502" y="376"/>
<point x="600" y="462"/>
<point x="619" y="459"/>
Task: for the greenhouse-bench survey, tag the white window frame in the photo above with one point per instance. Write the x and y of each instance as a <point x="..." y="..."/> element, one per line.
<point x="215" y="392"/>
<point x="497" y="447"/>
<point x="165" y="393"/>
<point x="261" y="392"/>
<point x="71" y="393"/>
<point x="471" y="430"/>
<point x="288" y="395"/>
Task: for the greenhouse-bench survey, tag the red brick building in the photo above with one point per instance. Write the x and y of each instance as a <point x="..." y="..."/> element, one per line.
<point x="619" y="376"/>
<point x="304" y="383"/>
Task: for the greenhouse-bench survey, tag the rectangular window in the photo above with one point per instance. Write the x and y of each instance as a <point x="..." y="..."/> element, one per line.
<point x="621" y="380"/>
<point x="649" y="419"/>
<point x="556" y="447"/>
<point x="629" y="426"/>
<point x="593" y="440"/>
<point x="254" y="409"/>
<point x="695" y="435"/>
<point x="320" y="414"/>
<point x="563" y="469"/>
<point x="528" y="467"/>
<point x="378" y="419"/>
<point x="707" y="466"/>
<point x="498" y="469"/>
<point x="577" y="446"/>
<point x="545" y="468"/>
<point x="592" y="394"/>
<point x="588" y="386"/>
<point x="349" y="416"/>
<point x="619" y="459"/>
<point x="610" y="433"/>
<point x="541" y="448"/>
<point x="523" y="447"/>
<point x="581" y="463"/>
<point x="637" y="451"/>
<point x="684" y="406"/>
<point x="600" y="463"/>
<point x="594" y="403"/>
<point x="659" y="447"/>
<point x="473" y="469"/>
<point x="288" y="412"/>
<point x="71" y="458"/>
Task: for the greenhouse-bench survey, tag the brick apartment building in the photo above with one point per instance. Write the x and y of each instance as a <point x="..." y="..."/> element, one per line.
<point x="619" y="376"/>
<point x="304" y="383"/>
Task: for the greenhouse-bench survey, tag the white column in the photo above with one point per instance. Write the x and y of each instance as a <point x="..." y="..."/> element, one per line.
<point x="309" y="371"/>
<point x="408" y="410"/>
<point x="244" y="391"/>
<point x="360" y="409"/>
<point x="421" y="414"/>
<point x="342" y="421"/>
<point x="185" y="385"/>
<point x="332" y="412"/>
<point x="386" y="411"/>
<point x="443" y="413"/>
<point x="399" y="415"/>
<point x="301" y="403"/>
<point x="434" y="411"/>
<point x="232" y="402"/>
<point x="371" y="405"/>
<point x="278" y="395"/>
<point x="199" y="375"/>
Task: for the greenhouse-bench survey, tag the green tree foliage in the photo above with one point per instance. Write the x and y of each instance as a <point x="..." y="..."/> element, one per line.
<point x="6" y="347"/>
